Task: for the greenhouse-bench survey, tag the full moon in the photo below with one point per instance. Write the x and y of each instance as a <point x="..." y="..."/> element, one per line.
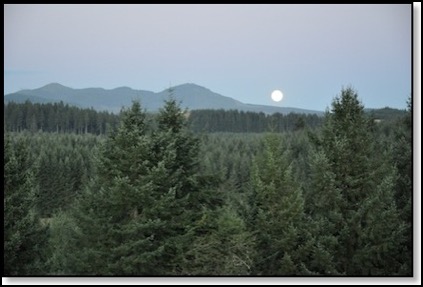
<point x="277" y="95"/>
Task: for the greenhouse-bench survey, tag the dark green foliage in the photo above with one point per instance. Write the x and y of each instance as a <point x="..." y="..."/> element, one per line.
<point x="24" y="236"/>
<point x="403" y="161"/>
<point x="402" y="158"/>
<point x="351" y="199"/>
<point x="224" y="248"/>
<point x="61" y="164"/>
<point x="241" y="122"/>
<point x="56" y="117"/>
<point x="119" y="201"/>
<point x="386" y="113"/>
<point x="277" y="213"/>
<point x="329" y="198"/>
<point x="140" y="214"/>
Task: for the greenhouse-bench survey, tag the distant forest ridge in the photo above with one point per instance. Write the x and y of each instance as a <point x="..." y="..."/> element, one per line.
<point x="64" y="118"/>
<point x="191" y="96"/>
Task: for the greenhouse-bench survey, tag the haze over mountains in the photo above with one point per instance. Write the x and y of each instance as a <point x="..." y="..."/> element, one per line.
<point x="192" y="96"/>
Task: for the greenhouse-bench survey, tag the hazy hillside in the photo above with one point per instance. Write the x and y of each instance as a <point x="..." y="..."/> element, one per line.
<point x="22" y="98"/>
<point x="192" y="97"/>
<point x="386" y="113"/>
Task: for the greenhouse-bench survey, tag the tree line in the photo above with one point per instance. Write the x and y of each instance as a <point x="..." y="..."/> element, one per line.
<point x="56" y="117"/>
<point x="63" y="118"/>
<point x="240" y="121"/>
<point x="154" y="198"/>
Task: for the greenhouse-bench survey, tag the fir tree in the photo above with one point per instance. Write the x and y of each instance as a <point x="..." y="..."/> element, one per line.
<point x="24" y="236"/>
<point x="353" y="195"/>
<point x="138" y="217"/>
<point x="194" y="196"/>
<point x="224" y="248"/>
<point x="277" y="216"/>
<point x="402" y="157"/>
<point x="112" y="212"/>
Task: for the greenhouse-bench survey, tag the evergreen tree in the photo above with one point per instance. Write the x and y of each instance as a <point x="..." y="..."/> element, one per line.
<point x="194" y="196"/>
<point x="24" y="236"/>
<point x="277" y="217"/>
<point x="324" y="213"/>
<point x="402" y="157"/>
<point x="224" y="248"/>
<point x="352" y="199"/>
<point x="113" y="201"/>
<point x="62" y="244"/>
<point x="139" y="216"/>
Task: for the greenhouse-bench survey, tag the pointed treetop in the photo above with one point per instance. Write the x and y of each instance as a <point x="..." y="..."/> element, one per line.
<point x="171" y="116"/>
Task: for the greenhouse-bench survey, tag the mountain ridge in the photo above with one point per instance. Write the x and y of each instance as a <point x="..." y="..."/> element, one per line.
<point x="191" y="96"/>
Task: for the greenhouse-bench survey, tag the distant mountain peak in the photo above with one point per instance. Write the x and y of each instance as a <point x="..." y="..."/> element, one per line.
<point x="52" y="88"/>
<point x="123" y="88"/>
<point x="53" y="85"/>
<point x="190" y="85"/>
<point x="191" y="96"/>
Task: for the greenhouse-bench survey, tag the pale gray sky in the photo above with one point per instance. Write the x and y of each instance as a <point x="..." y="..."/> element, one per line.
<point x="242" y="51"/>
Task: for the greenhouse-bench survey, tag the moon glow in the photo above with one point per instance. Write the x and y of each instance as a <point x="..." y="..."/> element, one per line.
<point x="277" y="95"/>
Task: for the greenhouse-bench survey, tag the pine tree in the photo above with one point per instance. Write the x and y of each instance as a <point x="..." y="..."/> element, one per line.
<point x="224" y="248"/>
<point x="139" y="216"/>
<point x="402" y="157"/>
<point x="62" y="244"/>
<point x="114" y="202"/>
<point x="24" y="236"/>
<point x="194" y="196"/>
<point x="277" y="216"/>
<point x="353" y="195"/>
<point x="322" y="204"/>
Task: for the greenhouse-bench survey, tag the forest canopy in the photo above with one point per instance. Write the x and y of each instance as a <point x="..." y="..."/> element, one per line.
<point x="207" y="192"/>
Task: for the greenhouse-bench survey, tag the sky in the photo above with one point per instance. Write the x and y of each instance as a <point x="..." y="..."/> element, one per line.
<point x="309" y="52"/>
